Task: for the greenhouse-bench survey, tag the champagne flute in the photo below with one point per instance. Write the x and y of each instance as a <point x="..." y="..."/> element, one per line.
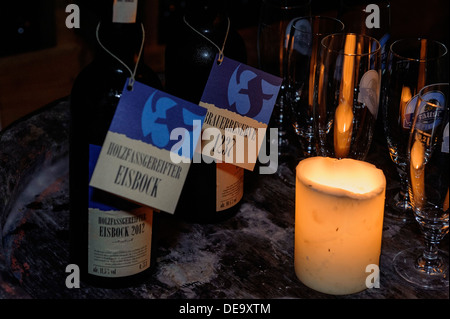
<point x="273" y="28"/>
<point x="412" y="64"/>
<point x="369" y="18"/>
<point x="372" y="19"/>
<point x="428" y="165"/>
<point x="302" y="59"/>
<point x="347" y="95"/>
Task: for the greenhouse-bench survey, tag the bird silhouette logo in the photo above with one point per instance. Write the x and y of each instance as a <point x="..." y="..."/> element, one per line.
<point x="154" y="119"/>
<point x="162" y="114"/>
<point x="250" y="95"/>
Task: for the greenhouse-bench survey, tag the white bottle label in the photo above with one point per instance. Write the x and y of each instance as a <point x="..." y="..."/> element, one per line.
<point x="119" y="242"/>
<point x="124" y="11"/>
<point x="229" y="185"/>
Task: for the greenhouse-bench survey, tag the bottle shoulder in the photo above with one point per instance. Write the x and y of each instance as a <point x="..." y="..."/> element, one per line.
<point x="96" y="92"/>
<point x="102" y="75"/>
<point x="200" y="43"/>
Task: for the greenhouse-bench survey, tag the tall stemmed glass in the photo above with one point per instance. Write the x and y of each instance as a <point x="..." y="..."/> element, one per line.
<point x="273" y="29"/>
<point x="359" y="16"/>
<point x="372" y="18"/>
<point x="302" y="59"/>
<point x="347" y="95"/>
<point x="412" y="64"/>
<point x="428" y="166"/>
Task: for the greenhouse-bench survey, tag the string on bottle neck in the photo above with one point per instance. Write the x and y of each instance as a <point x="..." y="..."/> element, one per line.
<point x="221" y="55"/>
<point x="132" y="72"/>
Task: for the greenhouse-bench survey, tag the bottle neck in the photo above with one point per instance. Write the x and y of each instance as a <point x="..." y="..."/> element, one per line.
<point x="206" y="15"/>
<point x="120" y="32"/>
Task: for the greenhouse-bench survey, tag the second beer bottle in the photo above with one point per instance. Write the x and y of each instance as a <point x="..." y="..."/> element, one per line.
<point x="212" y="192"/>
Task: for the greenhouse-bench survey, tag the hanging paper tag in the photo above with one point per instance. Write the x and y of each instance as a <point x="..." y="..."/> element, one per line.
<point x="149" y="146"/>
<point x="240" y="100"/>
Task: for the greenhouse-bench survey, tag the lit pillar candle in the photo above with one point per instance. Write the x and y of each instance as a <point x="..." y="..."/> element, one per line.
<point x="339" y="209"/>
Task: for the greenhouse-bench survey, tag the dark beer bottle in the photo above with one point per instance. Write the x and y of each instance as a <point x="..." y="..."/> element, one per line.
<point x="212" y="192"/>
<point x="110" y="237"/>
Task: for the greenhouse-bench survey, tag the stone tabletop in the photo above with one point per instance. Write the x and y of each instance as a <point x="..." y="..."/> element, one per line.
<point x="249" y="256"/>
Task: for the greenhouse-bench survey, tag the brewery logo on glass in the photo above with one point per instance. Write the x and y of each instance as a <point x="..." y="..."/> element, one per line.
<point x="436" y="96"/>
<point x="141" y="158"/>
<point x="430" y="111"/>
<point x="302" y="36"/>
<point x="240" y="100"/>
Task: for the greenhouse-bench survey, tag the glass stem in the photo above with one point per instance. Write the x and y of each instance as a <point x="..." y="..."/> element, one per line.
<point x="403" y="185"/>
<point x="430" y="262"/>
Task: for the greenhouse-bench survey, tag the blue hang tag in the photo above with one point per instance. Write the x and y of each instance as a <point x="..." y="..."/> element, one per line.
<point x="149" y="147"/>
<point x="240" y="101"/>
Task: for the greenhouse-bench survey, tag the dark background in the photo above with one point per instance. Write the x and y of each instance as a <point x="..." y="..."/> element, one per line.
<point x="40" y="57"/>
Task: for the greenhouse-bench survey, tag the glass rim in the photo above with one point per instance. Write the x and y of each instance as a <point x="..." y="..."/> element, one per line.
<point x="294" y="21"/>
<point x="430" y="87"/>
<point x="417" y="40"/>
<point x="375" y="51"/>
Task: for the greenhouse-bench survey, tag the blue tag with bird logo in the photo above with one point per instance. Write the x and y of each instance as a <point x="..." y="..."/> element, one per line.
<point x="240" y="101"/>
<point x="148" y="149"/>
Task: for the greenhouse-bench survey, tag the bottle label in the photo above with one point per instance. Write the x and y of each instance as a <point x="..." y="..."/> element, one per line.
<point x="240" y="101"/>
<point x="124" y="11"/>
<point x="119" y="242"/>
<point x="149" y="147"/>
<point x="229" y="185"/>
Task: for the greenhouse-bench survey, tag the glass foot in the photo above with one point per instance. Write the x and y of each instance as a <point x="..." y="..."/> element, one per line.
<point x="409" y="266"/>
<point x="399" y="207"/>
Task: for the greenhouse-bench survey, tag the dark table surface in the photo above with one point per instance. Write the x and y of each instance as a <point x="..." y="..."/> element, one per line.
<point x="249" y="256"/>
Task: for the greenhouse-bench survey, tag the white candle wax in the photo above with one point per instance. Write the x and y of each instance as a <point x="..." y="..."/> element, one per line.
<point x="339" y="209"/>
